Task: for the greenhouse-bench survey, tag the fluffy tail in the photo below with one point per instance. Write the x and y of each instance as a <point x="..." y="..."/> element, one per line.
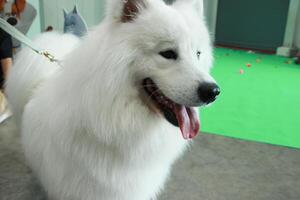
<point x="30" y="69"/>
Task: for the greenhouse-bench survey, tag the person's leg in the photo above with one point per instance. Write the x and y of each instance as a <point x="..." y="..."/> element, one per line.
<point x="4" y="111"/>
<point x="6" y="64"/>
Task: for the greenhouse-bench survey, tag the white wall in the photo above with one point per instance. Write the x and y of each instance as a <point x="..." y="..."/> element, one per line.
<point x="93" y="12"/>
<point x="210" y="9"/>
<point x="36" y="26"/>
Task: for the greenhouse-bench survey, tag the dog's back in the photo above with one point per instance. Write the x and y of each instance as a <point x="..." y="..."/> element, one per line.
<point x="31" y="69"/>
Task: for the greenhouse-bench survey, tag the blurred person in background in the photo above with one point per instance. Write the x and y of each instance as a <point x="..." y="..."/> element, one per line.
<point x="6" y="53"/>
<point x="21" y="15"/>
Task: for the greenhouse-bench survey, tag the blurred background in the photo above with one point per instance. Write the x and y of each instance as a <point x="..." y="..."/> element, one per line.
<point x="264" y="25"/>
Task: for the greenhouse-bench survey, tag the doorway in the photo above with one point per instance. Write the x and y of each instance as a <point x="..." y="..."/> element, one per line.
<point x="252" y="24"/>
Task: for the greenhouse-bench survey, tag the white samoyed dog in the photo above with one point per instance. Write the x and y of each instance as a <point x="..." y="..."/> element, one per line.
<point x="109" y="123"/>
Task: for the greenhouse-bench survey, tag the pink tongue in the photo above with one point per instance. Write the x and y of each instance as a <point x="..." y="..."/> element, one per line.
<point x="188" y="121"/>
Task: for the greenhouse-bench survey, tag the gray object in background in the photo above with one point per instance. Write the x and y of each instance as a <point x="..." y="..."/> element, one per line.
<point x="74" y="23"/>
<point x="169" y="1"/>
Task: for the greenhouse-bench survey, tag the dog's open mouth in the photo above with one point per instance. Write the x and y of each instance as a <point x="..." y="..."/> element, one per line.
<point x="186" y="118"/>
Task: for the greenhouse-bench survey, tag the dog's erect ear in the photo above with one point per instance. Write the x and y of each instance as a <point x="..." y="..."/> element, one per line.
<point x="125" y="10"/>
<point x="131" y="9"/>
<point x="197" y="4"/>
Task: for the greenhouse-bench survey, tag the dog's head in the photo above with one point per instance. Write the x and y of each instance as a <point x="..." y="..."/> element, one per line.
<point x="171" y="56"/>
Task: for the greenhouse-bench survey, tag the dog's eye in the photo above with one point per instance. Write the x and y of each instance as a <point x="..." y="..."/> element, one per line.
<point x="198" y="54"/>
<point x="169" y="54"/>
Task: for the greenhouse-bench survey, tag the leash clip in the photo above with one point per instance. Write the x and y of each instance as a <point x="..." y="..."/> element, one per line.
<point x="48" y="55"/>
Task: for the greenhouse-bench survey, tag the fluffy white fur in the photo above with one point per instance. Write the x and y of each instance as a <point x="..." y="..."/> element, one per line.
<point x="86" y="131"/>
<point x="30" y="69"/>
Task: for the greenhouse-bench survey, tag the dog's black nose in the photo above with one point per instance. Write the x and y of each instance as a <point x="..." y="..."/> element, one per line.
<point x="208" y="92"/>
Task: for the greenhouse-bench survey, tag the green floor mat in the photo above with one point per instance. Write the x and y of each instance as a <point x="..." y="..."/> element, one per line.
<point x="259" y="102"/>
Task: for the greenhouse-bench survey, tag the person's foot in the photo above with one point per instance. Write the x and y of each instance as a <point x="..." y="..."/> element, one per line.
<point x="5" y="113"/>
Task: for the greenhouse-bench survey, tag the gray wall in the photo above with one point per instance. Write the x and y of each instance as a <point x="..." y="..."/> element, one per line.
<point x="210" y="7"/>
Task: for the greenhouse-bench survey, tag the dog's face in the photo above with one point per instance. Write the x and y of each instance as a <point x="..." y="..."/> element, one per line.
<point x="172" y="58"/>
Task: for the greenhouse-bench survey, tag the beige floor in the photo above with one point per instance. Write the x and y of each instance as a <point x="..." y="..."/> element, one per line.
<point x="216" y="168"/>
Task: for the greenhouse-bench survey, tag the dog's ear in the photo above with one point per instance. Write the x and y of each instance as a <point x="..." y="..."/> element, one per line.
<point x="196" y="4"/>
<point x="131" y="9"/>
<point x="125" y="10"/>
